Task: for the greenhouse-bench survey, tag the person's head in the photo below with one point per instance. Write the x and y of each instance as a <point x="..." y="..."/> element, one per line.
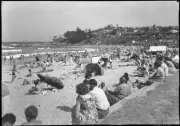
<point x="126" y="75"/>
<point x="160" y="58"/>
<point x="93" y="83"/>
<point x="88" y="75"/>
<point x="82" y="89"/>
<point x="150" y="65"/>
<point x="157" y="64"/>
<point x="122" y="80"/>
<point x="36" y="82"/>
<point x="8" y="119"/>
<point x="167" y="59"/>
<point x="31" y="113"/>
<point x="86" y="81"/>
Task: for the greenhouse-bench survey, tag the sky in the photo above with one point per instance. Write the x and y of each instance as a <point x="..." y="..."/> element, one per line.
<point x="41" y="20"/>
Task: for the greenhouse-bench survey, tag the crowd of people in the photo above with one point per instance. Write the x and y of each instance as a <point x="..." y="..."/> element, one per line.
<point x="94" y="100"/>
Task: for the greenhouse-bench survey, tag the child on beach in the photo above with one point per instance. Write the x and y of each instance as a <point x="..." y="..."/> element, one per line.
<point x="29" y="69"/>
<point x="13" y="72"/>
<point x="31" y="114"/>
<point x="8" y="119"/>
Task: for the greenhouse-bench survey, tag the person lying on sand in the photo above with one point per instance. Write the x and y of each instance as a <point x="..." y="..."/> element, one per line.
<point x="139" y="84"/>
<point x="27" y="82"/>
<point x="31" y="114"/>
<point x="36" y="89"/>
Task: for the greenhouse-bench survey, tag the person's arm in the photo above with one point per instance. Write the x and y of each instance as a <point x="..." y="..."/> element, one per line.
<point x="166" y="72"/>
<point x="117" y="89"/>
<point x="78" y="105"/>
<point x="153" y="75"/>
<point x="147" y="72"/>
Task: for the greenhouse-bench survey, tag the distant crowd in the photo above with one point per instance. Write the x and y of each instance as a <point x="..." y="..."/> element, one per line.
<point x="94" y="100"/>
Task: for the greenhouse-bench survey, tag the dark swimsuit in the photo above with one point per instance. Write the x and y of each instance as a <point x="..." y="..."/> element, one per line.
<point x="13" y="73"/>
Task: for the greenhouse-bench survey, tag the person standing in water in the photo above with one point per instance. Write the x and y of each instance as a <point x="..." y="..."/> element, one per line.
<point x="13" y="71"/>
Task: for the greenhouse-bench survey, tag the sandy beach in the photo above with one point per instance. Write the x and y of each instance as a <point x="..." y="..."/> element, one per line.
<point x="55" y="107"/>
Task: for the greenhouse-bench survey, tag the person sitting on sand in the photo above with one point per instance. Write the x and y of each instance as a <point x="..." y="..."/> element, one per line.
<point x="36" y="89"/>
<point x="163" y="65"/>
<point x="84" y="112"/>
<point x="121" y="91"/>
<point x="27" y="82"/>
<point x="159" y="75"/>
<point x="171" y="67"/>
<point x="128" y="81"/>
<point x="8" y="119"/>
<point x="31" y="114"/>
<point x="101" y="101"/>
<point x="142" y="71"/>
<point x="151" y="69"/>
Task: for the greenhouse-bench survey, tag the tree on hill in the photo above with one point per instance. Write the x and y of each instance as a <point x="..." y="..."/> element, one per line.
<point x="113" y="32"/>
<point x="74" y="37"/>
